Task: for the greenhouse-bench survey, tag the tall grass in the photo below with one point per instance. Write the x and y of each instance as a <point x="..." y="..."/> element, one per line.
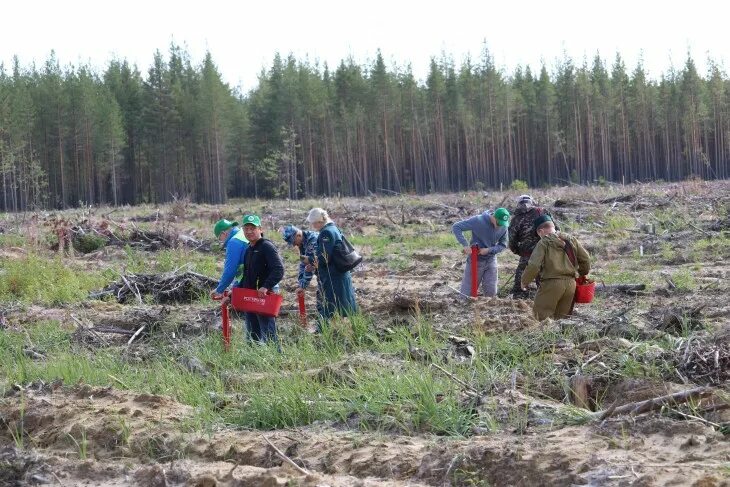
<point x="349" y="375"/>
<point x="34" y="279"/>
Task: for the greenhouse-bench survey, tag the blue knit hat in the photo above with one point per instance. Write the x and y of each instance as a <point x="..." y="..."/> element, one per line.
<point x="289" y="232"/>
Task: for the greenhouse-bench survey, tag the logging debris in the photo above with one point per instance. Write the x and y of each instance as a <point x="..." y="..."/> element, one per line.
<point x="170" y="287"/>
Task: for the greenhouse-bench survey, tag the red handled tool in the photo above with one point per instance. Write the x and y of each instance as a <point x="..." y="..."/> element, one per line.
<point x="474" y="257"/>
<point x="226" y="322"/>
<point x="302" y="311"/>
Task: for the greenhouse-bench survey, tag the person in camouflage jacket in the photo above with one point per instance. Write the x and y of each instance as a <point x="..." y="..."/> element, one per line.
<point x="523" y="238"/>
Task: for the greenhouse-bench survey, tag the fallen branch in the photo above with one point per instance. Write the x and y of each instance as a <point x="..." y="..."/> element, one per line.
<point x="129" y="286"/>
<point x="699" y="229"/>
<point x="459" y="292"/>
<point x="507" y="283"/>
<point x="696" y="418"/>
<point x="624" y="288"/>
<point x="286" y="458"/>
<point x="136" y="334"/>
<point x="640" y="407"/>
<point x="118" y="381"/>
<point x="451" y="376"/>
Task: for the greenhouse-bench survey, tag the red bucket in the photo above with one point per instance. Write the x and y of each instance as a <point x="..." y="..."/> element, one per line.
<point x="584" y="290"/>
<point x="248" y="300"/>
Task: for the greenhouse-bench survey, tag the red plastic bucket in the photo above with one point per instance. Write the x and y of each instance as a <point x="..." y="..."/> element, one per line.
<point x="584" y="290"/>
<point x="248" y="300"/>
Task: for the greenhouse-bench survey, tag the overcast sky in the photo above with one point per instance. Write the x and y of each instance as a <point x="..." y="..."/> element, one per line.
<point x="243" y="36"/>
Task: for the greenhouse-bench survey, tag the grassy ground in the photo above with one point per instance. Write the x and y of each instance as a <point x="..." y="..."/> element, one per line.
<point x="382" y="371"/>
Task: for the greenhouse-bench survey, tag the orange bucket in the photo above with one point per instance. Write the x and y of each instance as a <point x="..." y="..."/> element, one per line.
<point x="248" y="300"/>
<point x="584" y="290"/>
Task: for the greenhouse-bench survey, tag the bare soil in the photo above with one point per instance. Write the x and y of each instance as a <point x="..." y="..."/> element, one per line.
<point x="149" y="440"/>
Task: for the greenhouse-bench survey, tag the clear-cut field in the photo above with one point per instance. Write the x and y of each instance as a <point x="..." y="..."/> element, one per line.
<point x="422" y="389"/>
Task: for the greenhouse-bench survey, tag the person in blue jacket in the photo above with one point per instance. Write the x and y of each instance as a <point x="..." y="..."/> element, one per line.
<point x="306" y="242"/>
<point x="335" y="293"/>
<point x="233" y="240"/>
<point x="489" y="234"/>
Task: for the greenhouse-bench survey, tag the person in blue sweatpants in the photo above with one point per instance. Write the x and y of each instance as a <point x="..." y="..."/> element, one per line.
<point x="489" y="234"/>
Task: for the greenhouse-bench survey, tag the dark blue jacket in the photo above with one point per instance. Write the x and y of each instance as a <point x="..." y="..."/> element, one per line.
<point x="309" y="250"/>
<point x="335" y="293"/>
<point x="235" y="245"/>
<point x="264" y="267"/>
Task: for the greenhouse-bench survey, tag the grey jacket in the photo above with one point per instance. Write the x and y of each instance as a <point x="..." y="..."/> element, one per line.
<point x="483" y="234"/>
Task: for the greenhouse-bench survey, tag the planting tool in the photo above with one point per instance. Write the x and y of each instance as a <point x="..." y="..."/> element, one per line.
<point x="474" y="257"/>
<point x="225" y="319"/>
<point x="302" y="311"/>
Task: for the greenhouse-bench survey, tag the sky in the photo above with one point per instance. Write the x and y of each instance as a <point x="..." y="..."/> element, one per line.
<point x="244" y="36"/>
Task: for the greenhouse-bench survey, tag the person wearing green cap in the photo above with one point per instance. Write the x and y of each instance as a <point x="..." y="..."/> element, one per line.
<point x="263" y="271"/>
<point x="558" y="258"/>
<point x="489" y="234"/>
<point x="232" y="239"/>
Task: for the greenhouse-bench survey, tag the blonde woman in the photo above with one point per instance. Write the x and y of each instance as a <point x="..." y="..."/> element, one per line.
<point x="335" y="293"/>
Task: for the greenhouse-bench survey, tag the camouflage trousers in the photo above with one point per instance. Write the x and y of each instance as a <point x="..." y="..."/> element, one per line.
<point x="517" y="291"/>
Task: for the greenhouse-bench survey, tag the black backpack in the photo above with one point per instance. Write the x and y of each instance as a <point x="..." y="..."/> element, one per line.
<point x="344" y="255"/>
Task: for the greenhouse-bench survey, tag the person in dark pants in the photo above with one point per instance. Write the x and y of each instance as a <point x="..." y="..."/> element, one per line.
<point x="335" y="292"/>
<point x="263" y="271"/>
<point x="523" y="239"/>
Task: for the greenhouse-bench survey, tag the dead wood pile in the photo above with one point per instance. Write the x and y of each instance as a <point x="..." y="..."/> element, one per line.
<point x="171" y="287"/>
<point x="152" y="241"/>
<point x="114" y="328"/>
<point x="706" y="360"/>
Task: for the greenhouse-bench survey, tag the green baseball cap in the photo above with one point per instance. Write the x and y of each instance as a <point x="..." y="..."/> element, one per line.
<point x="252" y="220"/>
<point x="223" y="225"/>
<point x="502" y="217"/>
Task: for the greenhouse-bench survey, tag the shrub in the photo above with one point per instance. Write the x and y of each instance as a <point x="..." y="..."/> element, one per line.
<point x="88" y="243"/>
<point x="518" y="185"/>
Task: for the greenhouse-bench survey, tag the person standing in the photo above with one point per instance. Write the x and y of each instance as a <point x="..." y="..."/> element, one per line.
<point x="522" y="238"/>
<point x="306" y="243"/>
<point x="263" y="270"/>
<point x="489" y="234"/>
<point x="335" y="292"/>
<point x="233" y="240"/>
<point x="557" y="258"/>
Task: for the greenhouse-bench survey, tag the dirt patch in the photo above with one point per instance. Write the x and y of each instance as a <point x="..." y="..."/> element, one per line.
<point x="497" y="314"/>
<point x="535" y="455"/>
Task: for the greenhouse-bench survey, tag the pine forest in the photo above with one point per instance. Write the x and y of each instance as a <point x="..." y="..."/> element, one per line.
<point x="73" y="135"/>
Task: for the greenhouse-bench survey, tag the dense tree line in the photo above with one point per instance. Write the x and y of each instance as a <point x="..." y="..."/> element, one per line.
<point x="71" y="135"/>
